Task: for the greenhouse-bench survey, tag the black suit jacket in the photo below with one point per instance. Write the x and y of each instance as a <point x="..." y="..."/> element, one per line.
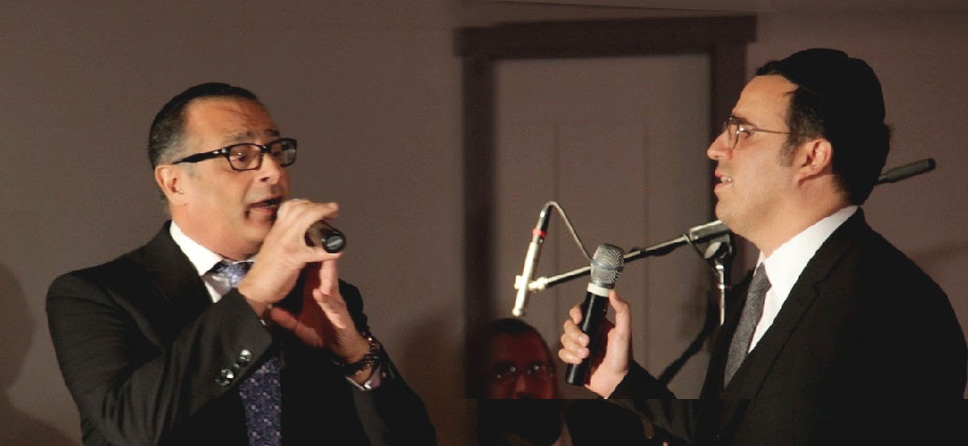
<point x="866" y="348"/>
<point x="149" y="359"/>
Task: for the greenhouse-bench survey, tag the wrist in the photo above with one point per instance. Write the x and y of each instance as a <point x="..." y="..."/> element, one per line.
<point x="260" y="307"/>
<point x="362" y="365"/>
<point x="606" y="384"/>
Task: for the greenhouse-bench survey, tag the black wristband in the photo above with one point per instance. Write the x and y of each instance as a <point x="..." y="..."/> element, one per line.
<point x="371" y="358"/>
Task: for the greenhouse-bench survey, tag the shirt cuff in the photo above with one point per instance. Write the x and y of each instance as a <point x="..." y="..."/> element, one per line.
<point x="371" y="383"/>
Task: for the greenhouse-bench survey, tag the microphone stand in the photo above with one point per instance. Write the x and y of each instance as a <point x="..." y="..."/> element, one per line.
<point x="697" y="234"/>
<point x="711" y="230"/>
<point x="719" y="254"/>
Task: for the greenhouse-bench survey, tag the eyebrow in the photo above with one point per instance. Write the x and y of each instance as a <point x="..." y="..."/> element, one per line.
<point x="502" y="365"/>
<point x="246" y="136"/>
<point x="742" y="120"/>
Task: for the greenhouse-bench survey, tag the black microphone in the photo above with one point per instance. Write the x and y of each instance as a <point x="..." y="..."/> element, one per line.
<point x="606" y="266"/>
<point x="322" y="234"/>
<point x="521" y="282"/>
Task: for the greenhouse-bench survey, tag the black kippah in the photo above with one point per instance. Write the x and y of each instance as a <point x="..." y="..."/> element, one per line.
<point x="847" y="85"/>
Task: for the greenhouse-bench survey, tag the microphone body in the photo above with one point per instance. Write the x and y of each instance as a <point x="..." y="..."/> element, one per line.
<point x="606" y="266"/>
<point x="326" y="236"/>
<point x="522" y="282"/>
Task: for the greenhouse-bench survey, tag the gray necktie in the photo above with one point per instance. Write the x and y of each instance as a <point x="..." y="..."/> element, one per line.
<point x="261" y="392"/>
<point x="752" y="311"/>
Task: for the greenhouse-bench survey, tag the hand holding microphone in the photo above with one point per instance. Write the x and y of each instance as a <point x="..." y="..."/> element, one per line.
<point x="606" y="266"/>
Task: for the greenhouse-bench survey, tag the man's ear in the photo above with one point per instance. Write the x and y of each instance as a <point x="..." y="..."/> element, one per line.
<point x="815" y="158"/>
<point x="172" y="181"/>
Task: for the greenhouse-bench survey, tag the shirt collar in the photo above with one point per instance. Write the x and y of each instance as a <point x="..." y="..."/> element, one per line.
<point x="784" y="266"/>
<point x="201" y="257"/>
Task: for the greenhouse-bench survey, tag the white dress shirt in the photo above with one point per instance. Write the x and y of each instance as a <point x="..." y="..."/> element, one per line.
<point x="203" y="260"/>
<point x="784" y="266"/>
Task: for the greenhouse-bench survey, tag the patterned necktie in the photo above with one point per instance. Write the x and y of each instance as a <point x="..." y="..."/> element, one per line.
<point x="752" y="311"/>
<point x="261" y="392"/>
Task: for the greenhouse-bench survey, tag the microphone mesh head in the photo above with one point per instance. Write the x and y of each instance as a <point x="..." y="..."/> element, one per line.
<point x="607" y="265"/>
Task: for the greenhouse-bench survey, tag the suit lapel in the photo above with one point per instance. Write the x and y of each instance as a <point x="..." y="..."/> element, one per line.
<point x="749" y="378"/>
<point x="174" y="277"/>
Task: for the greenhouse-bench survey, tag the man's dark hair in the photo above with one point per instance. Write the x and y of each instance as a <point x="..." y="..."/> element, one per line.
<point x="838" y="98"/>
<point x="168" y="126"/>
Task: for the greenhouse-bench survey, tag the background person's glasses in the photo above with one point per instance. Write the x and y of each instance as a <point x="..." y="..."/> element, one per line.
<point x="248" y="155"/>
<point x="509" y="373"/>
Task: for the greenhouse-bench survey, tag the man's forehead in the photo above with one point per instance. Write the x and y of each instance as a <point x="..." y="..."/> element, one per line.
<point x="249" y="135"/>
<point x="230" y="119"/>
<point x="526" y="346"/>
<point x="764" y="101"/>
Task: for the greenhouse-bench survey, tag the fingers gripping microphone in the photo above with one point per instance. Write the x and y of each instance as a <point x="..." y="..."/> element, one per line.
<point x="522" y="282"/>
<point x="606" y="266"/>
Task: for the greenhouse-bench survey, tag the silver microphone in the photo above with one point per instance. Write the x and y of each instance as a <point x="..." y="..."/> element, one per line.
<point x="522" y="282"/>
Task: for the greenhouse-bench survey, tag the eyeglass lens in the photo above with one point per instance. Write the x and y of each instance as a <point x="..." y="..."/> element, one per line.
<point x="731" y="127"/>
<point x="249" y="156"/>
<point x="510" y="373"/>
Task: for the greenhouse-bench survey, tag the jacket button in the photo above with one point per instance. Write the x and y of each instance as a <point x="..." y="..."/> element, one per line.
<point x="244" y="357"/>
<point x="225" y="378"/>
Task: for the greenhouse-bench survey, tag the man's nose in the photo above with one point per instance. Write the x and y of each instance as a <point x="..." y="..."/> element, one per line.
<point x="719" y="149"/>
<point x="270" y="171"/>
<point x="521" y="384"/>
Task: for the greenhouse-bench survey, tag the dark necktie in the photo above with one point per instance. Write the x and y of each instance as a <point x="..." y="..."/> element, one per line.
<point x="752" y="311"/>
<point x="261" y="392"/>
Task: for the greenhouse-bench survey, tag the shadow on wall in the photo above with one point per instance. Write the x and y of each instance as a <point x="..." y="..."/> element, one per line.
<point x="16" y="329"/>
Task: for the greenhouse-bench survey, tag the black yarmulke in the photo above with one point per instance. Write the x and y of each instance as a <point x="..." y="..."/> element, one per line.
<point x="848" y="85"/>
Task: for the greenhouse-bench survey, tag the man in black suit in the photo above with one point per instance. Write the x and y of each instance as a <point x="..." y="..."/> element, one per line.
<point x="841" y="338"/>
<point x="173" y="343"/>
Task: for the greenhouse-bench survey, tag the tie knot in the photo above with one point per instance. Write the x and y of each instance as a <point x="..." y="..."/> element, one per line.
<point x="233" y="272"/>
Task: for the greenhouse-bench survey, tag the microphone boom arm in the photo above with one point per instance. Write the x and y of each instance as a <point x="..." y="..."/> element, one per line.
<point x="715" y="228"/>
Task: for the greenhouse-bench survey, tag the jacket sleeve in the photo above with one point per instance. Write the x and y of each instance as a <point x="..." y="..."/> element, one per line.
<point x="392" y="413"/>
<point x="641" y="392"/>
<point x="134" y="379"/>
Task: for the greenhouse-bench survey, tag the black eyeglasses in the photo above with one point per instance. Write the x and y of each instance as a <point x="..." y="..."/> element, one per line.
<point x="248" y="155"/>
<point x="508" y="373"/>
<point x="733" y="127"/>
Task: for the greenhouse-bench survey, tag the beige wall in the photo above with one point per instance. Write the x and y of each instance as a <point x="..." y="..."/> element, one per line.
<point x="372" y="90"/>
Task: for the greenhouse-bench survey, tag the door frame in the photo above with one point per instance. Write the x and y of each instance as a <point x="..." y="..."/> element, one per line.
<point x="722" y="39"/>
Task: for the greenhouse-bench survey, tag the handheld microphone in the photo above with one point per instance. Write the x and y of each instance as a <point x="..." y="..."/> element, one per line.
<point x="322" y="234"/>
<point x="606" y="266"/>
<point x="522" y="282"/>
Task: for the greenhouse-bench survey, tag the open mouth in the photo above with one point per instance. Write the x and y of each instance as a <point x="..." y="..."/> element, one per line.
<point x="268" y="205"/>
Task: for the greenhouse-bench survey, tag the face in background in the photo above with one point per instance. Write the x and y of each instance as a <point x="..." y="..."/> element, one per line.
<point x="754" y="178"/>
<point x="227" y="211"/>
<point x="520" y="367"/>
